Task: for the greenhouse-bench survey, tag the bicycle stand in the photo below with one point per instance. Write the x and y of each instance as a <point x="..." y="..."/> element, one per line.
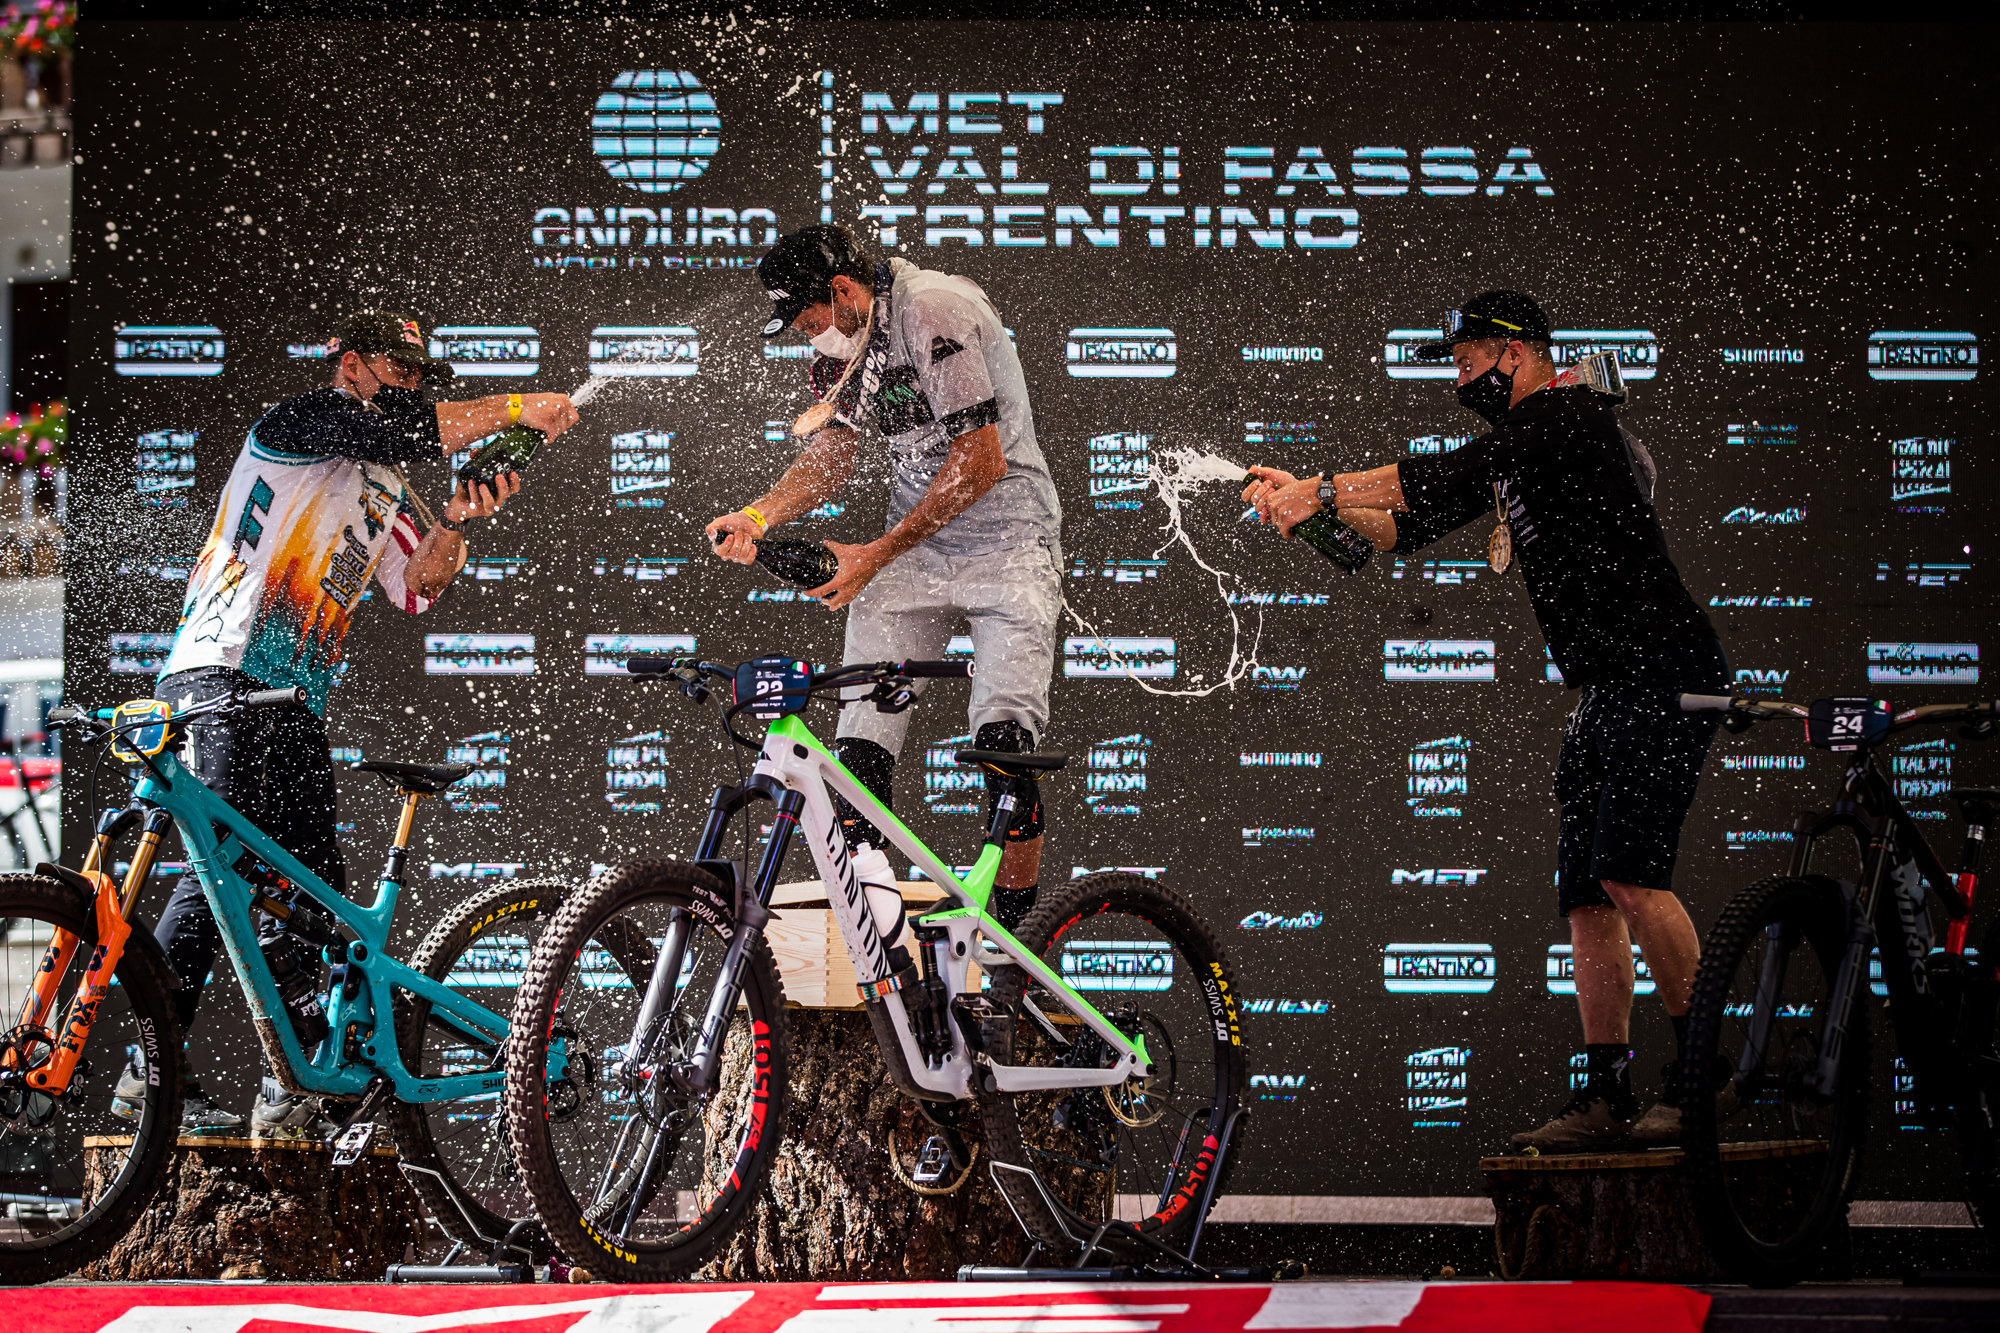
<point x="1162" y="1263"/>
<point x="520" y="1240"/>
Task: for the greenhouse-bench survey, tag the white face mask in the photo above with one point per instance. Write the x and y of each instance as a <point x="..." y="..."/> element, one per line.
<point x="830" y="341"/>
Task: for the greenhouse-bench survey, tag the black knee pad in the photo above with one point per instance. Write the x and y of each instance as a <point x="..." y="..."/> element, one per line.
<point x="1011" y="736"/>
<point x="874" y="767"/>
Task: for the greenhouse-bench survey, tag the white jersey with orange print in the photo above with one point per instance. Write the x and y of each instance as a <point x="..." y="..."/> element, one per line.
<point x="296" y="540"/>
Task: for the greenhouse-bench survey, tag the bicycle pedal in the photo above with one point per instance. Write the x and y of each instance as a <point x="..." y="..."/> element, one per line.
<point x="353" y="1143"/>
<point x="932" y="1161"/>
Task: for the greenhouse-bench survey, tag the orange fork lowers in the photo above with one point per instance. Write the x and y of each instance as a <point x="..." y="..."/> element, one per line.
<point x="111" y="906"/>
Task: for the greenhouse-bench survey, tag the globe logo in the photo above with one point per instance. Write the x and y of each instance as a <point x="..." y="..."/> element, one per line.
<point x="656" y="129"/>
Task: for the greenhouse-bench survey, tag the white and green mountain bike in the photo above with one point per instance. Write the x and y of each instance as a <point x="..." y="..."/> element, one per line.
<point x="644" y="1150"/>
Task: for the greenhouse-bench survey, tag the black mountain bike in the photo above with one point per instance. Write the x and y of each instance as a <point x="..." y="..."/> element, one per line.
<point x="1780" y="1002"/>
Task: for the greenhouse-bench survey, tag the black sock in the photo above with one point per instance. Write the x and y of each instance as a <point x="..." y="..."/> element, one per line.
<point x="1680" y="1038"/>
<point x="1608" y="1067"/>
<point x="1011" y="906"/>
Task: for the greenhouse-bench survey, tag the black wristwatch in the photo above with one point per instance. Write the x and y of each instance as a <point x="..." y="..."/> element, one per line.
<point x="450" y="524"/>
<point x="1327" y="494"/>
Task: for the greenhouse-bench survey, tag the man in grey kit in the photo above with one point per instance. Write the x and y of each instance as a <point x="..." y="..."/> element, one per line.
<point x="974" y="524"/>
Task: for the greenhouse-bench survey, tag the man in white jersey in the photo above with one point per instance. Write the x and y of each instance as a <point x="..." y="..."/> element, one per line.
<point x="316" y="509"/>
<point x="974" y="525"/>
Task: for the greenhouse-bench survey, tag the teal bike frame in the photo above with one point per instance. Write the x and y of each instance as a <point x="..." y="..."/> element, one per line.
<point x="197" y="812"/>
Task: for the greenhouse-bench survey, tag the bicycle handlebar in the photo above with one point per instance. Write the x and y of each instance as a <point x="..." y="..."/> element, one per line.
<point x="275" y="698"/>
<point x="1766" y="710"/>
<point x="942" y="670"/>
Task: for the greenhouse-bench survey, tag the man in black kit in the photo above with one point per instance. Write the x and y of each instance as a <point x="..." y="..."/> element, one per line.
<point x="1575" y="495"/>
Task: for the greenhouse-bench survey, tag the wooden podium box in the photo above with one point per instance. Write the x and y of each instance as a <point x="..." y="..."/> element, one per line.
<point x="805" y="940"/>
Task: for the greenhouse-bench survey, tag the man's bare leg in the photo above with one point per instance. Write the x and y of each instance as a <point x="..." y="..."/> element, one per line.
<point x="1666" y="937"/>
<point x="1601" y="954"/>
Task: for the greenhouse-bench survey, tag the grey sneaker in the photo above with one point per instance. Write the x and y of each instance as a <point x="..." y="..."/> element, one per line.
<point x="279" y="1115"/>
<point x="1584" y="1125"/>
<point x="202" y="1118"/>
<point x="128" y="1099"/>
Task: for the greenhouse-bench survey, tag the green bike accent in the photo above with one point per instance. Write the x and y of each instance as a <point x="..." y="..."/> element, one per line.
<point x="976" y="887"/>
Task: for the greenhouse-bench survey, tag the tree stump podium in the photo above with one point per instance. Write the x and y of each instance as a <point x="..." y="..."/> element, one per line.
<point x="276" y="1209"/>
<point x="835" y="1209"/>
<point x="1629" y="1215"/>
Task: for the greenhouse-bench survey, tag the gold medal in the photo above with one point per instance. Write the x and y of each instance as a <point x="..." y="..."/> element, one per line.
<point x="1500" y="546"/>
<point x="813" y="418"/>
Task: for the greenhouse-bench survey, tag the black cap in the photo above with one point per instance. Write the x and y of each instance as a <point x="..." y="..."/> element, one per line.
<point x="800" y="269"/>
<point x="395" y="336"/>
<point x="1489" y="315"/>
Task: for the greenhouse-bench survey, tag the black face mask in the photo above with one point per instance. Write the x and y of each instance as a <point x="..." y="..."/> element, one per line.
<point x="1489" y="395"/>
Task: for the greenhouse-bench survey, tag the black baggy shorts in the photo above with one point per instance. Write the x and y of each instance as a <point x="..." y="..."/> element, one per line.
<point x="1624" y="781"/>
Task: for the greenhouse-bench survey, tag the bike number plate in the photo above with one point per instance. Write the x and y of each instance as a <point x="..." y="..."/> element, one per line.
<point x="1847" y="724"/>
<point x="778" y="684"/>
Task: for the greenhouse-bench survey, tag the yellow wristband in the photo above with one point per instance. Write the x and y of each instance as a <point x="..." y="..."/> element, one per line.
<point x="513" y="409"/>
<point x="755" y="517"/>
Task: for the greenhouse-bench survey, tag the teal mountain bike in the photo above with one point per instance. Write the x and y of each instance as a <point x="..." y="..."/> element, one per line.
<point x="1088" y="1115"/>
<point x="89" y="991"/>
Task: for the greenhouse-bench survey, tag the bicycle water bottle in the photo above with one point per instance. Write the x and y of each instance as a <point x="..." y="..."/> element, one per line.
<point x="1335" y="540"/>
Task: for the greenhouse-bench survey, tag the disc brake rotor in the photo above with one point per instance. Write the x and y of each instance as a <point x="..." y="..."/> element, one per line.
<point x="1139" y="1102"/>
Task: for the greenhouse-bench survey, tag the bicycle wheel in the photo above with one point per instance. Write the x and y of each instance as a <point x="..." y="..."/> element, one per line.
<point x="1767" y="1198"/>
<point x="1978" y="1108"/>
<point x="1142" y="1150"/>
<point x="60" y="1212"/>
<point x="461" y="1161"/>
<point x="634" y="1181"/>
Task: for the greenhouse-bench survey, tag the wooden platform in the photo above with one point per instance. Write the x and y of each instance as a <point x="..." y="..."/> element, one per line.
<point x="805" y="940"/>
<point x="1628" y="1214"/>
<point x="274" y="1208"/>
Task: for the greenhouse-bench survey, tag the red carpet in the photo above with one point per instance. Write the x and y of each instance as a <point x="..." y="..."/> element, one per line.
<point x="930" y="1307"/>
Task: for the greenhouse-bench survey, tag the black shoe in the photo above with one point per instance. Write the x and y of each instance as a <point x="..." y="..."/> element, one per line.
<point x="1587" y="1121"/>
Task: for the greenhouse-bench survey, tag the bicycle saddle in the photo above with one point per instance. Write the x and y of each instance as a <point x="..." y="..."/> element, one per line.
<point x="425" y="779"/>
<point x="1010" y="764"/>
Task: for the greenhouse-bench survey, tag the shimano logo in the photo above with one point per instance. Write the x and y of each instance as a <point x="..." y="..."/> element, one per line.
<point x="1117" y="571"/>
<point x="494" y="568"/>
<point x="1438" y="878"/>
<point x="1763" y="356"/>
<point x="1761" y="681"/>
<point x="606" y="654"/>
<point x="1104" y="658"/>
<point x="1119" y="965"/>
<point x="1279" y="759"/>
<point x="1926" y="663"/>
<point x="641" y="460"/>
<point x="1273" y="921"/>
<point x="1277" y="677"/>
<point x="1937" y="575"/>
<point x="1766" y="517"/>
<point x="480" y="349"/>
<point x="1116" y="777"/>
<point x="1438" y="659"/>
<point x="1148" y="354"/>
<point x="1561" y="975"/>
<point x="1922" y="356"/>
<point x="1284" y="354"/>
<point x="479" y="654"/>
<point x="669" y="351"/>
<point x="1444" y="573"/>
<point x="1276" y="837"/>
<point x="1423" y="969"/>
<point x="167" y="350"/>
<point x="139" y="654"/>
<point x="1762" y="763"/>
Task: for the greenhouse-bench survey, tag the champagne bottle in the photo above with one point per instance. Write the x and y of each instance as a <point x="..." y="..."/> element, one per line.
<point x="508" y="451"/>
<point x="1335" y="540"/>
<point x="802" y="564"/>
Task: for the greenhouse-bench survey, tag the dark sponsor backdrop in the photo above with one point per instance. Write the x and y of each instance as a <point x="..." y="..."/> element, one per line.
<point x="1198" y="235"/>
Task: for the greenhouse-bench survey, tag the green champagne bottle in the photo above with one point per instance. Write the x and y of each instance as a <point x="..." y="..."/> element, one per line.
<point x="509" y="451"/>
<point x="1335" y="540"/>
